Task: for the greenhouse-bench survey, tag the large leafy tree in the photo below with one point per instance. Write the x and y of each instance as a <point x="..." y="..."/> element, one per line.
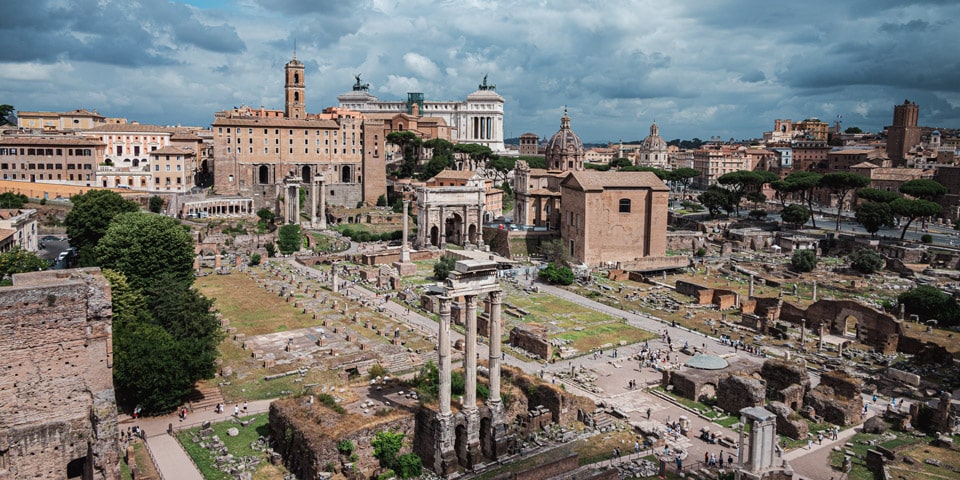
<point x="409" y="143"/>
<point x="289" y="239"/>
<point x="148" y="368"/>
<point x="6" y="114"/>
<point x="683" y="176"/>
<point x="866" y="261"/>
<point x="501" y="166"/>
<point x="840" y="184"/>
<point x="804" y="260"/>
<point x="912" y="210"/>
<point x="715" y="199"/>
<point x="18" y="260"/>
<point x="89" y="218"/>
<point x="923" y="188"/>
<point x="873" y="215"/>
<point x="929" y="302"/>
<point x="804" y="183"/>
<point x="795" y="214"/>
<point x="147" y="248"/>
<point x="12" y="200"/>
<point x="745" y="181"/>
<point x="876" y="195"/>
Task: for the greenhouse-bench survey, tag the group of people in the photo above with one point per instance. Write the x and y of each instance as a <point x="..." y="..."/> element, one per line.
<point x="714" y="460"/>
<point x="236" y="409"/>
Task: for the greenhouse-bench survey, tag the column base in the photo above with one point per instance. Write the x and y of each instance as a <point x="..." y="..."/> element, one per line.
<point x="405" y="268"/>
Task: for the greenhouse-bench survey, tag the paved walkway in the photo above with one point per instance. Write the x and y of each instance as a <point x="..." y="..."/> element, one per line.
<point x="171" y="460"/>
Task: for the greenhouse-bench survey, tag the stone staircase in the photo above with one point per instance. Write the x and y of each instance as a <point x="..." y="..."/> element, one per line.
<point x="400" y="363"/>
<point x="204" y="399"/>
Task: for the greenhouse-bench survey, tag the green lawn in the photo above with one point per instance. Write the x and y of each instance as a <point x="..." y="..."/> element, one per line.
<point x="860" y="447"/>
<point x="238" y="446"/>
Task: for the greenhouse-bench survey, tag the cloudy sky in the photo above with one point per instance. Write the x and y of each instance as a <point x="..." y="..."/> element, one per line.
<point x="705" y="68"/>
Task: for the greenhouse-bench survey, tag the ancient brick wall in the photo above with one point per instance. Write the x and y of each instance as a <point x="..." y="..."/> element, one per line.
<point x="875" y="328"/>
<point x="736" y="392"/>
<point x="780" y="376"/>
<point x="57" y="408"/>
<point x="307" y="434"/>
<point x="550" y="469"/>
<point x="843" y="385"/>
<point x="701" y="295"/>
<point x="531" y="341"/>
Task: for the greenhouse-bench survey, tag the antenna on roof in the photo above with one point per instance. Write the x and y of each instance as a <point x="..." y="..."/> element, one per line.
<point x="294" y="48"/>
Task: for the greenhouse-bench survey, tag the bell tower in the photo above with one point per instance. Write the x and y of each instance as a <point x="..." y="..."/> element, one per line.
<point x="294" y="90"/>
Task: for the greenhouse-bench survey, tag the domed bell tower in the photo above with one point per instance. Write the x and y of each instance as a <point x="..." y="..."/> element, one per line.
<point x="295" y="101"/>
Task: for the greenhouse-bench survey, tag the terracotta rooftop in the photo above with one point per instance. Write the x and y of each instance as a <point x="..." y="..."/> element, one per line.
<point x="593" y="180"/>
<point x="130" y="128"/>
<point x="274" y="122"/>
<point x="65" y="140"/>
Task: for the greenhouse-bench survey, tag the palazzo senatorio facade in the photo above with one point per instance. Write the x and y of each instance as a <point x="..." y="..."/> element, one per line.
<point x="257" y="150"/>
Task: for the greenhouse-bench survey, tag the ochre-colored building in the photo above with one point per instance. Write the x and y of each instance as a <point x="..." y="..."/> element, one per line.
<point x="257" y="151"/>
<point x="613" y="217"/>
<point x="66" y="159"/>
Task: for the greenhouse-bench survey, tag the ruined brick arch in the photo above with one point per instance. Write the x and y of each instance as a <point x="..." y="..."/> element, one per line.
<point x="201" y="247"/>
<point x="875" y="328"/>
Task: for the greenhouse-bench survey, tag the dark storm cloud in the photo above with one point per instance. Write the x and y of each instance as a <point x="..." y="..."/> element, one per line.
<point x="117" y="33"/>
<point x="753" y="76"/>
<point x="913" y="26"/>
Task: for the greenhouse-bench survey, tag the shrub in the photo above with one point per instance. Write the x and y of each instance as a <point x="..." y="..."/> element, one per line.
<point x="377" y="370"/>
<point x="382" y="201"/>
<point x="443" y="267"/>
<point x="409" y="465"/>
<point x="346" y="447"/>
<point x="156" y="204"/>
<point x="254" y="259"/>
<point x="926" y="238"/>
<point x="557" y="275"/>
<point x="804" y="260"/>
<point x="289" y="239"/>
<point x="866" y="261"/>
<point x="701" y="252"/>
<point x="271" y="249"/>
<point x="758" y="214"/>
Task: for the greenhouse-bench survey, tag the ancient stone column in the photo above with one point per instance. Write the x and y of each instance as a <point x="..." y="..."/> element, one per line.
<point x="442" y="224"/>
<point x="470" y="356"/>
<point x="820" y="345"/>
<point x="444" y="345"/>
<point x="404" y="249"/>
<point x="323" y="201"/>
<point x="814" y="292"/>
<point x="496" y="300"/>
<point x="803" y="334"/>
<point x="313" y="203"/>
<point x="751" y="287"/>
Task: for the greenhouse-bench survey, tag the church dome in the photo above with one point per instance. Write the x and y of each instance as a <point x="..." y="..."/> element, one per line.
<point x="564" y="150"/>
<point x="654" y="142"/>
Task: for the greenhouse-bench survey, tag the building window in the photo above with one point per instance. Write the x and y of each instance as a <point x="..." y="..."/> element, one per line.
<point x="624" y="205"/>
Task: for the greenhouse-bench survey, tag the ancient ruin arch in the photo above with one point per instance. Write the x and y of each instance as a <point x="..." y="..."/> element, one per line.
<point x="486" y="437"/>
<point x="306" y="175"/>
<point x="263" y="174"/>
<point x="707" y="391"/>
<point x="472" y="233"/>
<point x="445" y="214"/>
<point x="850" y="326"/>
<point x="460" y="445"/>
<point x="453" y="227"/>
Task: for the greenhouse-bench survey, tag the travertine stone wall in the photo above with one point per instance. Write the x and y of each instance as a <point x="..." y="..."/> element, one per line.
<point x="57" y="406"/>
